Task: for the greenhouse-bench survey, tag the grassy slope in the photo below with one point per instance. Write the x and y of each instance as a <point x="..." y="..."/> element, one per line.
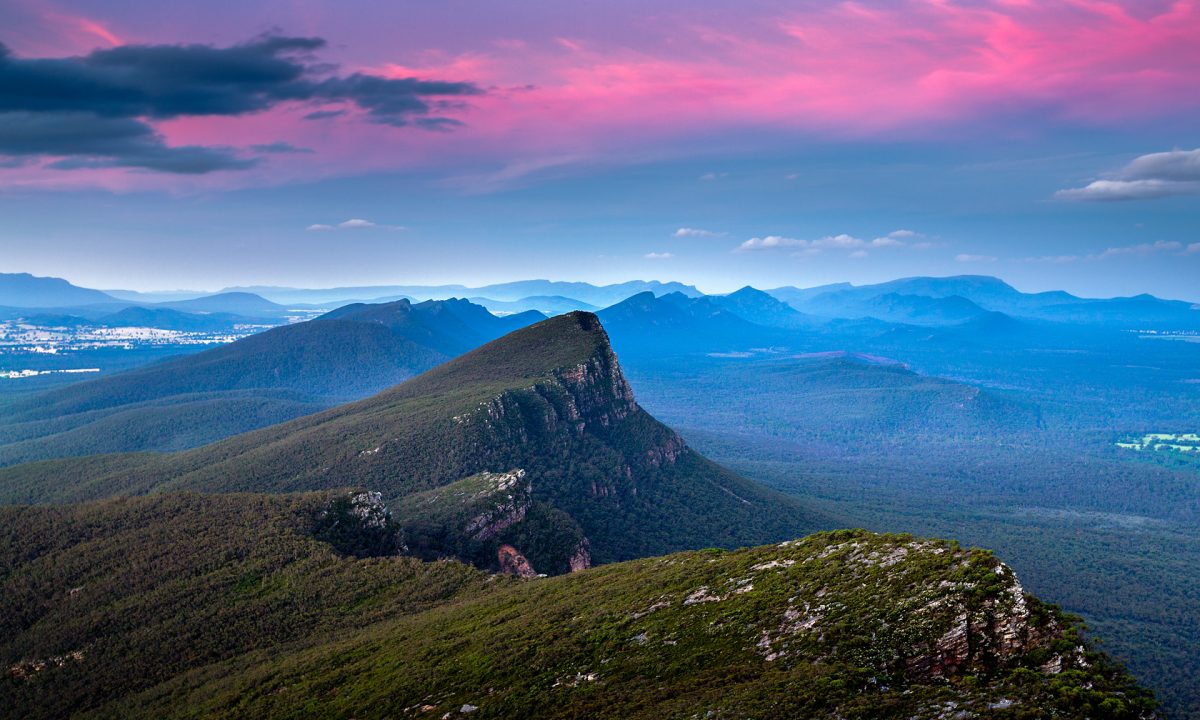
<point x="840" y="615"/>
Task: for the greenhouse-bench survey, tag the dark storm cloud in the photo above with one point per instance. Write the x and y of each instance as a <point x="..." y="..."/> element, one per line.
<point x="167" y="81"/>
<point x="85" y="140"/>
<point x="95" y="108"/>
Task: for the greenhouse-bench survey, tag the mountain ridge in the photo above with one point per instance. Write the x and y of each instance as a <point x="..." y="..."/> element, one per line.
<point x="549" y="399"/>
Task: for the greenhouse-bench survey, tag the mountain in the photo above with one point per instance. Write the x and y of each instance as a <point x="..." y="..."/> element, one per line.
<point x="548" y="304"/>
<point x="916" y="300"/>
<point x="842" y="395"/>
<point x="22" y="290"/>
<point x="795" y="296"/>
<point x="1141" y="312"/>
<point x="182" y="605"/>
<point x="169" y="319"/>
<point x="761" y="308"/>
<point x="895" y="307"/>
<point x="450" y="327"/>
<point x="342" y="295"/>
<point x="157" y="296"/>
<point x="548" y="401"/>
<point x="678" y="323"/>
<point x="594" y="295"/>
<point x="237" y="303"/>
<point x="259" y="380"/>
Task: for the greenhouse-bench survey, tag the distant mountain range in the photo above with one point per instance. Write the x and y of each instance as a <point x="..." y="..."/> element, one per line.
<point x="929" y="300"/>
<point x="27" y="291"/>
<point x="922" y="301"/>
<point x="593" y="295"/>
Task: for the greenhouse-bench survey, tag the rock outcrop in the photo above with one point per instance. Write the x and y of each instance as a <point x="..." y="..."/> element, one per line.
<point x="512" y="562"/>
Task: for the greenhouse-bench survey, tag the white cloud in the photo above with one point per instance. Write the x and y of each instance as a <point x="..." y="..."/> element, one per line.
<point x="968" y="258"/>
<point x="1116" y="190"/>
<point x="1193" y="249"/>
<point x="772" y="242"/>
<point x="842" y="241"/>
<point x="1156" y="175"/>
<point x="1181" y="165"/>
<point x="353" y="224"/>
<point x="1144" y="249"/>
<point x="658" y="256"/>
<point x="858" y="254"/>
<point x="690" y="232"/>
<point x="839" y="241"/>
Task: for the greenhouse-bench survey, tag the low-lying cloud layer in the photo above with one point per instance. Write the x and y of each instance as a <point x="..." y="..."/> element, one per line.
<point x="98" y="110"/>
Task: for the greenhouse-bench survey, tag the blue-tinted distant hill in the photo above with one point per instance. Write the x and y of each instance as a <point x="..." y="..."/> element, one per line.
<point x="895" y="307"/>
<point x="594" y="295"/>
<point x="169" y="319"/>
<point x="259" y="380"/>
<point x="677" y="323"/>
<point x="951" y="299"/>
<point x="238" y="303"/>
<point x="545" y="304"/>
<point x="22" y="290"/>
<point x="761" y="308"/>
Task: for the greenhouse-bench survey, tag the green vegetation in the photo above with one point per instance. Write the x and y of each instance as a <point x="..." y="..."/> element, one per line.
<point x="135" y="591"/>
<point x="182" y="605"/>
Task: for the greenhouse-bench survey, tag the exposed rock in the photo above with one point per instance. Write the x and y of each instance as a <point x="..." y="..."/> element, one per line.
<point x="368" y="507"/>
<point x="507" y="512"/>
<point x="512" y="562"/>
<point x="26" y="669"/>
<point x="581" y="559"/>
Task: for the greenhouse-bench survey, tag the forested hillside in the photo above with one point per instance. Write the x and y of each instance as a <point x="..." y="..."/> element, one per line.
<point x="184" y="605"/>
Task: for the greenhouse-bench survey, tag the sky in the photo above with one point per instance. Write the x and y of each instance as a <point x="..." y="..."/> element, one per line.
<point x="150" y="145"/>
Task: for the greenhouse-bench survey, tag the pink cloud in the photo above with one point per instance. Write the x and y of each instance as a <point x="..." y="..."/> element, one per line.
<point x="846" y="69"/>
